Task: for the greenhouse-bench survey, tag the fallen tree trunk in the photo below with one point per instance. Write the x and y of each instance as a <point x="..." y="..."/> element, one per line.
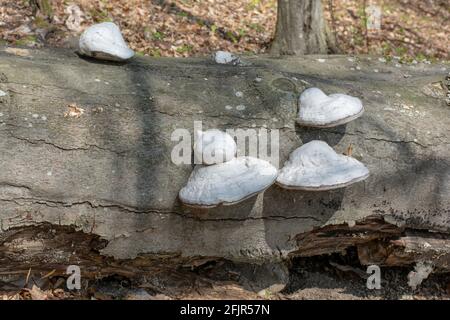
<point x="101" y="179"/>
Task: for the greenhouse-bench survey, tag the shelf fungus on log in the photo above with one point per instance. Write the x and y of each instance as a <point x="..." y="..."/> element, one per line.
<point x="227" y="183"/>
<point x="315" y="166"/>
<point x="104" y="41"/>
<point x="319" y="110"/>
<point x="213" y="147"/>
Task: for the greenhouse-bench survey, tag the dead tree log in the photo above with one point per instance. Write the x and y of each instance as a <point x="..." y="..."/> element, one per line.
<point x="98" y="186"/>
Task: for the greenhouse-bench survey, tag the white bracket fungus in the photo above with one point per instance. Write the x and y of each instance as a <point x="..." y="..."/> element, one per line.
<point x="225" y="57"/>
<point x="104" y="41"/>
<point x="315" y="166"/>
<point x="319" y="110"/>
<point x="213" y="146"/>
<point x="227" y="183"/>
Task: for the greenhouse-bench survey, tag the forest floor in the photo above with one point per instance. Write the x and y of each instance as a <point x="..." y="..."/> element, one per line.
<point x="332" y="277"/>
<point x="410" y="29"/>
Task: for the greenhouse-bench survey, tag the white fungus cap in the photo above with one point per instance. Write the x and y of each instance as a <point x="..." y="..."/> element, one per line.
<point x="214" y="146"/>
<point x="319" y="110"/>
<point x="227" y="183"/>
<point x="225" y="57"/>
<point x="316" y="166"/>
<point x="104" y="41"/>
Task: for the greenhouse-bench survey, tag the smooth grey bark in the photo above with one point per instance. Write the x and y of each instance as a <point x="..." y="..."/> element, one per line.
<point x="105" y="179"/>
<point x="301" y="28"/>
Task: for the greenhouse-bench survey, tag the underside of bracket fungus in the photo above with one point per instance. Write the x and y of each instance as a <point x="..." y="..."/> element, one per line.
<point x="319" y="110"/>
<point x="105" y="41"/>
<point x="227" y="183"/>
<point x="213" y="147"/>
<point x="315" y="166"/>
<point x="225" y="57"/>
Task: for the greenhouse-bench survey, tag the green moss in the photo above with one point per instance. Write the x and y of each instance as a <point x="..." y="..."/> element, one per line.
<point x="26" y="41"/>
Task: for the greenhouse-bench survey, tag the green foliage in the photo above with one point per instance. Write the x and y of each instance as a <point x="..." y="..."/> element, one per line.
<point x="253" y="4"/>
<point x="26" y="40"/>
<point x="100" y="16"/>
<point x="230" y="35"/>
<point x="242" y="32"/>
<point x="155" y="53"/>
<point x="184" y="48"/>
<point x="41" y="22"/>
<point x="256" y="26"/>
<point x="401" y="51"/>
<point x="157" y="35"/>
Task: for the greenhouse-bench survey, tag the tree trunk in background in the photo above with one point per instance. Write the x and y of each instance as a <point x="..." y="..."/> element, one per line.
<point x="301" y="28"/>
<point x="44" y="7"/>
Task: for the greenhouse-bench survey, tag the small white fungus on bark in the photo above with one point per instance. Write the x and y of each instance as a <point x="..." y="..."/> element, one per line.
<point x="225" y="57"/>
<point x="104" y="41"/>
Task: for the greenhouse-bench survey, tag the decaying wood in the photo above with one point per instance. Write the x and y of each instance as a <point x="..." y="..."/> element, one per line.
<point x="102" y="181"/>
<point x="337" y="238"/>
<point x="407" y="250"/>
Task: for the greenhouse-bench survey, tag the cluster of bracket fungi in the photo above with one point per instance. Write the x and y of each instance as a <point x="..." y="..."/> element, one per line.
<point x="224" y="179"/>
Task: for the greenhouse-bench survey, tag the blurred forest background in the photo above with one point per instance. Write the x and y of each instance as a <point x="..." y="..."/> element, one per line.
<point x="411" y="30"/>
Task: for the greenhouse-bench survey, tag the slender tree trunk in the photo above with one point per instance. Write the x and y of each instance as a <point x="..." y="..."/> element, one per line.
<point x="44" y="7"/>
<point x="301" y="28"/>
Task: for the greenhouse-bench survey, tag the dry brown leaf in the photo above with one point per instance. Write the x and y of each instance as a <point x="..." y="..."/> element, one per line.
<point x="73" y="111"/>
<point x="37" y="294"/>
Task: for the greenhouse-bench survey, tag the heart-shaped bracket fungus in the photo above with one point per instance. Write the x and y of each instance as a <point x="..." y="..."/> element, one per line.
<point x="213" y="146"/>
<point x="319" y="110"/>
<point x="104" y="41"/>
<point x="227" y="183"/>
<point x="315" y="166"/>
